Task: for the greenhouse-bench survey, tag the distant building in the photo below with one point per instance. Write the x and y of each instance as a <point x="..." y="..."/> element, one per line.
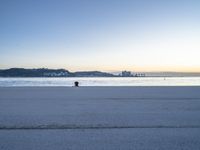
<point x="129" y="74"/>
<point x="126" y="74"/>
<point x="139" y="75"/>
<point x="56" y="74"/>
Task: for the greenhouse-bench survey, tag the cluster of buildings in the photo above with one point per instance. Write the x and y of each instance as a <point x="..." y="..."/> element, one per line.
<point x="56" y="74"/>
<point x="129" y="74"/>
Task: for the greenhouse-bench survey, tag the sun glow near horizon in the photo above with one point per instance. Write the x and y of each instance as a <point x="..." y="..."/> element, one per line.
<point x="100" y="35"/>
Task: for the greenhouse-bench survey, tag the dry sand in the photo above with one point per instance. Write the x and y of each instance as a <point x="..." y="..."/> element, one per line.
<point x="99" y="118"/>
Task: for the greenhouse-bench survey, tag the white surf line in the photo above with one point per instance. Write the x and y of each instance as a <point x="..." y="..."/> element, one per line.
<point x="47" y="127"/>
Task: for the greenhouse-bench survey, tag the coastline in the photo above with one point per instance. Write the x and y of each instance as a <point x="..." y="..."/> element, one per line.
<point x="103" y="81"/>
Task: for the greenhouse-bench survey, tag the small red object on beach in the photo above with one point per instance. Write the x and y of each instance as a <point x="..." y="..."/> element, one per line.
<point x="76" y="83"/>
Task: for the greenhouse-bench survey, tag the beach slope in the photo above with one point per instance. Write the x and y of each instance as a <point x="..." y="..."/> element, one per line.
<point x="99" y="118"/>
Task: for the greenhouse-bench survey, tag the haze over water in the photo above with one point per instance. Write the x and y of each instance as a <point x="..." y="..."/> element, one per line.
<point x="102" y="81"/>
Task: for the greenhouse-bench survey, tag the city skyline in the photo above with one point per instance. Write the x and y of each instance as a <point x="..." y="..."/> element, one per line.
<point x="101" y="35"/>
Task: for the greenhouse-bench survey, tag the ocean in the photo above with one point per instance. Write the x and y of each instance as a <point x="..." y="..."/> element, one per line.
<point x="102" y="81"/>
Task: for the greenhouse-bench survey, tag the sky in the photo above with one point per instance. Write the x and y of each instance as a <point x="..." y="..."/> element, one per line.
<point x="106" y="35"/>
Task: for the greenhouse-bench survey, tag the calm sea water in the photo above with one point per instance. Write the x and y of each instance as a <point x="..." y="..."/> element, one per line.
<point x="132" y="81"/>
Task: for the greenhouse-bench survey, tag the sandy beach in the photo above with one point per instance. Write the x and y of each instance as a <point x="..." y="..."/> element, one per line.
<point x="100" y="118"/>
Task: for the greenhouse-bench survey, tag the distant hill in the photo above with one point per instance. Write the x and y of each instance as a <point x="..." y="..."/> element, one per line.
<point x="44" y="72"/>
<point x="93" y="74"/>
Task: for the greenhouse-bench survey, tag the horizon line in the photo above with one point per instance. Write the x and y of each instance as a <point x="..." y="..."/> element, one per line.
<point x="111" y="71"/>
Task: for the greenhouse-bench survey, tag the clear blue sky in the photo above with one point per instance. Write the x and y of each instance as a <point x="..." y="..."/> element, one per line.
<point x="108" y="35"/>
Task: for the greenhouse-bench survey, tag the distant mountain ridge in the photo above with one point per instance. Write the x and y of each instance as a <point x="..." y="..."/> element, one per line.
<point x="44" y="72"/>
